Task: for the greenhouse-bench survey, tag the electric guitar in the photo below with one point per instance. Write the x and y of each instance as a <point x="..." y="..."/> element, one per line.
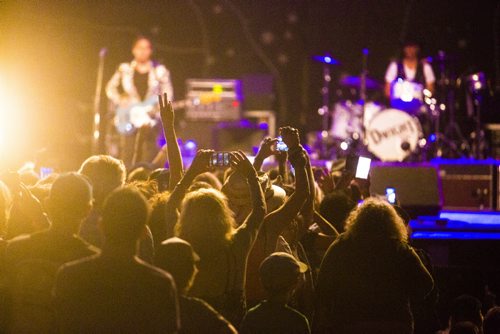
<point x="130" y="116"/>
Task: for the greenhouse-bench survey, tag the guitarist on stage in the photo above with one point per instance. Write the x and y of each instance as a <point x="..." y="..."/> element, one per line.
<point x="134" y="90"/>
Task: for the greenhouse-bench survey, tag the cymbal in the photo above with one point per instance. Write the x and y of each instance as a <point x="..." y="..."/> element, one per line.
<point x="326" y="59"/>
<point x="355" y="82"/>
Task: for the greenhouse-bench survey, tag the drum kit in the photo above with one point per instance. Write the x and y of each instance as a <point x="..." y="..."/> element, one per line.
<point x="406" y="130"/>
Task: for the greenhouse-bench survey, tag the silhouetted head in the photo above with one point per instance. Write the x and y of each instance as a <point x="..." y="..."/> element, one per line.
<point x="280" y="273"/>
<point x="69" y="201"/>
<point x="335" y="207"/>
<point x="124" y="216"/>
<point x="491" y="324"/>
<point x="105" y="173"/>
<point x="178" y="258"/>
<point x="466" y="308"/>
<point x="375" y="219"/>
<point x="206" y="220"/>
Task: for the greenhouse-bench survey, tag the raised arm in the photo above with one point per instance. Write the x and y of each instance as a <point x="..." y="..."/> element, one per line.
<point x="242" y="165"/>
<point x="265" y="151"/>
<point x="173" y="151"/>
<point x="279" y="219"/>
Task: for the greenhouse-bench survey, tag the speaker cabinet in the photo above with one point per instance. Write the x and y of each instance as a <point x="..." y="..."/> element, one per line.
<point x="469" y="186"/>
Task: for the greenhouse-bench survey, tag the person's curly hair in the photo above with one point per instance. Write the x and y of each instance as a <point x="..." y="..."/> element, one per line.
<point x="375" y="218"/>
<point x="206" y="220"/>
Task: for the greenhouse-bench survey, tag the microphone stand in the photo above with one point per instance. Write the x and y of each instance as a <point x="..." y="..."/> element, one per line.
<point x="97" y="144"/>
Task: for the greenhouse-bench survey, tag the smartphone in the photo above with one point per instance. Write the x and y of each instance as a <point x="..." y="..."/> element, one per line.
<point x="45" y="171"/>
<point x="359" y="166"/>
<point x="390" y="194"/>
<point x="363" y="168"/>
<point x="281" y="146"/>
<point x="219" y="159"/>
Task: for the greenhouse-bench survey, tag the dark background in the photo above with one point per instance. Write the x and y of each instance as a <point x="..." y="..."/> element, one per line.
<point x="49" y="51"/>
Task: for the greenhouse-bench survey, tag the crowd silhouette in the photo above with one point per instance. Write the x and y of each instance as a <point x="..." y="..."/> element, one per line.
<point x="147" y="249"/>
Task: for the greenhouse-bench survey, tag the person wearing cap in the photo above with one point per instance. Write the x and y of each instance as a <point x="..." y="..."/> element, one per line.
<point x="280" y="217"/>
<point x="177" y="257"/>
<point x="280" y="274"/>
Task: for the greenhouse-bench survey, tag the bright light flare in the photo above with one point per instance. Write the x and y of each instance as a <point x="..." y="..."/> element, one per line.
<point x="10" y="114"/>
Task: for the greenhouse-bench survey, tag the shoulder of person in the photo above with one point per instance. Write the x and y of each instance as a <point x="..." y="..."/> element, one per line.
<point x="22" y="243"/>
<point x="299" y="319"/>
<point x="160" y="68"/>
<point x="124" y="67"/>
<point x="201" y="308"/>
<point x="76" y="270"/>
<point x="160" y="274"/>
<point x="425" y="63"/>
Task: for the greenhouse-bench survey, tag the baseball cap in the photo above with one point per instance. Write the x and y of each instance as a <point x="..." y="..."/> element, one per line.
<point x="176" y="252"/>
<point x="280" y="269"/>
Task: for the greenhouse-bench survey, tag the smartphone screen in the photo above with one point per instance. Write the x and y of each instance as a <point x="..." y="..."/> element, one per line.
<point x="390" y="194"/>
<point x="213" y="159"/>
<point x="45" y="171"/>
<point x="225" y="159"/>
<point x="281" y="146"/>
<point x="363" y="168"/>
<point x="220" y="159"/>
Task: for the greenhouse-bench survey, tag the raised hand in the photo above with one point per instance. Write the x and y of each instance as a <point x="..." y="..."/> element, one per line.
<point x="266" y="148"/>
<point x="201" y="162"/>
<point x="241" y="164"/>
<point x="326" y="183"/>
<point x="290" y="137"/>
<point x="166" y="110"/>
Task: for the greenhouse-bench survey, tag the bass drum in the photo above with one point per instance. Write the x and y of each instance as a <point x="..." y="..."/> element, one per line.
<point x="348" y="118"/>
<point x="393" y="135"/>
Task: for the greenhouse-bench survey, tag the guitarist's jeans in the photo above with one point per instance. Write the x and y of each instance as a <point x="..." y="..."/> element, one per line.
<point x="146" y="144"/>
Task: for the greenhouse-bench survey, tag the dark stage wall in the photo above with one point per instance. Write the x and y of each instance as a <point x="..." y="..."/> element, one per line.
<point x="50" y="48"/>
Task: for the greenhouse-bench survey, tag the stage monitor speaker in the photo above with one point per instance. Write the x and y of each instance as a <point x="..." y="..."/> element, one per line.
<point x="469" y="186"/>
<point x="417" y="187"/>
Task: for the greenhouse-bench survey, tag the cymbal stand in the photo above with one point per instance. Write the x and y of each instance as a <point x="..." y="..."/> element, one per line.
<point x="324" y="111"/>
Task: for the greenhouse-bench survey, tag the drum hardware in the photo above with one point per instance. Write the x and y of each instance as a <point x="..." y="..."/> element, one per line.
<point x="476" y="85"/>
<point x="324" y="110"/>
<point x="451" y="136"/>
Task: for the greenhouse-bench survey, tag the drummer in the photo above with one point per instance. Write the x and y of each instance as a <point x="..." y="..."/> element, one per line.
<point x="412" y="72"/>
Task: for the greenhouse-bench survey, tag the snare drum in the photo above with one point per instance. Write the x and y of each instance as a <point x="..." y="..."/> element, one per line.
<point x="393" y="135"/>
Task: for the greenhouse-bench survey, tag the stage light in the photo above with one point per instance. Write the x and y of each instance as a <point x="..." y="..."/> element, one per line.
<point x="190" y="145"/>
<point x="344" y="146"/>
